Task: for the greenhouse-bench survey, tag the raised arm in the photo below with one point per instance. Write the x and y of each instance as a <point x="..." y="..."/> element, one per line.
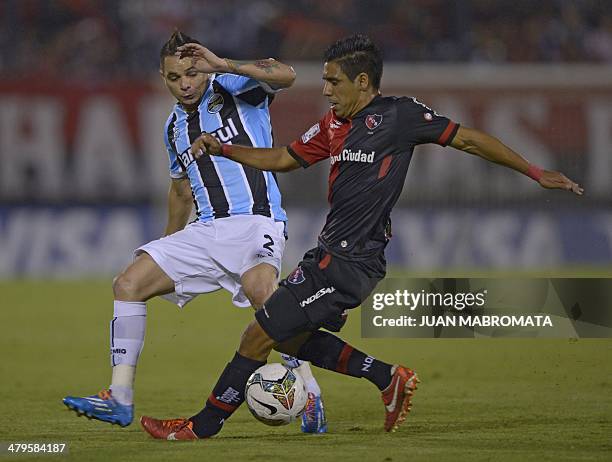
<point x="270" y="71"/>
<point x="490" y="148"/>
<point x="270" y="159"/>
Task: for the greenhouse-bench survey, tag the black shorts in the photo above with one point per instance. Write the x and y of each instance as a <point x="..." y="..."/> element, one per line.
<point x="317" y="293"/>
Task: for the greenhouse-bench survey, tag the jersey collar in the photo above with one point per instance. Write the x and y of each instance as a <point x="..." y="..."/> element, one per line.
<point x="374" y="100"/>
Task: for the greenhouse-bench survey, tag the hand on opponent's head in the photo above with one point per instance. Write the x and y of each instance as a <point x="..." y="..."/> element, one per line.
<point x="206" y="144"/>
<point x="202" y="58"/>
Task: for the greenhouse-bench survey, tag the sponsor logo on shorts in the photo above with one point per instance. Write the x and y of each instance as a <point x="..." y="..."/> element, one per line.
<point x="319" y="293"/>
<point x="118" y="351"/>
<point x="297" y="276"/>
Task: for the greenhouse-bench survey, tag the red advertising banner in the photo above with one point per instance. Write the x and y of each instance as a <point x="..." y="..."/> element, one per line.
<point x="82" y="142"/>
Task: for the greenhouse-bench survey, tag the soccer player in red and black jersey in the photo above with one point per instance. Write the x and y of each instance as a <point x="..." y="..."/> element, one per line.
<point x="369" y="140"/>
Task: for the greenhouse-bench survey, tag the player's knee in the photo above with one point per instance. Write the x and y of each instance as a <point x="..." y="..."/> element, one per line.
<point x="259" y="283"/>
<point x="259" y="294"/>
<point x="126" y="288"/>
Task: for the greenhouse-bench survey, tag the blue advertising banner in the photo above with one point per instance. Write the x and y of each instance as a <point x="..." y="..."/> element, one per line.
<point x="85" y="241"/>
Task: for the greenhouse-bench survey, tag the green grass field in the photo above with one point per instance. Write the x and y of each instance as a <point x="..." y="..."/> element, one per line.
<point x="487" y="399"/>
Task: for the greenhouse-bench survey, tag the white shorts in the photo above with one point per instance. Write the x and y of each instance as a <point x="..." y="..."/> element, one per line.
<point x="214" y="255"/>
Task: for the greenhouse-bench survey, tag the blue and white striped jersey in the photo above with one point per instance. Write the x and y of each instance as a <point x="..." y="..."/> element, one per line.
<point x="235" y="110"/>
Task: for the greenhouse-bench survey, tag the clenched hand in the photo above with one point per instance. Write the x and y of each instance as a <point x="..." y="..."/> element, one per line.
<point x="206" y="144"/>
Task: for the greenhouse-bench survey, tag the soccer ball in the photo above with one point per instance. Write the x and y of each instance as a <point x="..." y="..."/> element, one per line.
<point x="275" y="394"/>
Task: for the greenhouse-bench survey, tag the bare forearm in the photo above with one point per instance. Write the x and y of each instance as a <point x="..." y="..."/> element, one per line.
<point x="490" y="148"/>
<point x="270" y="159"/>
<point x="271" y="71"/>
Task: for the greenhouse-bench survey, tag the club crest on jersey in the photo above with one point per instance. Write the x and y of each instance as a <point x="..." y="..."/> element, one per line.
<point x="296" y="276"/>
<point x="311" y="133"/>
<point x="373" y="120"/>
<point x="215" y="103"/>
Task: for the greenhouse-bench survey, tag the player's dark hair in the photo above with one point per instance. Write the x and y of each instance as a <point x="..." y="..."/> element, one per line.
<point x="176" y="40"/>
<point x="357" y="54"/>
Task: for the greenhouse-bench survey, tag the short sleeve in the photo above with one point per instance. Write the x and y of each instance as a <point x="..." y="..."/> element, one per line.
<point x="312" y="146"/>
<point x="176" y="170"/>
<point x="419" y="124"/>
<point x="247" y="89"/>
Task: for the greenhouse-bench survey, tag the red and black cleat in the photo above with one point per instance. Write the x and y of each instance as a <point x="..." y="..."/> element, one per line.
<point x="397" y="396"/>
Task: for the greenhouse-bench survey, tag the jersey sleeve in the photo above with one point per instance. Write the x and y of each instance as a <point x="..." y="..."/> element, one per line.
<point x="419" y="124"/>
<point x="247" y="89"/>
<point x="312" y="146"/>
<point x="176" y="170"/>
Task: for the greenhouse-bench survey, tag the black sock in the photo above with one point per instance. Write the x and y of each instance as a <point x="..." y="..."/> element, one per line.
<point x="329" y="352"/>
<point x="225" y="398"/>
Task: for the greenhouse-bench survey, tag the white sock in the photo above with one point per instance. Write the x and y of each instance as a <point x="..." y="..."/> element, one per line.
<point x="311" y="383"/>
<point x="303" y="368"/>
<point x="290" y="361"/>
<point x="122" y="384"/>
<point x="127" y="331"/>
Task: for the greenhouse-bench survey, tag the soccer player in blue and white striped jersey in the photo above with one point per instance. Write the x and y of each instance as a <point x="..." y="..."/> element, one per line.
<point x="238" y="237"/>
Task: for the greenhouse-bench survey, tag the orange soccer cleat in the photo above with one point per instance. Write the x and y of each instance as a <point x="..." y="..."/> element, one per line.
<point x="397" y="396"/>
<point x="170" y="429"/>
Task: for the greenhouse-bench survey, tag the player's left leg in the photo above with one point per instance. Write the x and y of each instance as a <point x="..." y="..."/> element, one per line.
<point x="259" y="283"/>
<point x="140" y="281"/>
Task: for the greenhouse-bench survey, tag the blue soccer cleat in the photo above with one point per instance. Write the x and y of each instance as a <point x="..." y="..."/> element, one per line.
<point x="101" y="407"/>
<point x="313" y="418"/>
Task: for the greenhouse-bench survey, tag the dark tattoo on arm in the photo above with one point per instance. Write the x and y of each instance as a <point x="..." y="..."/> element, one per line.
<point x="267" y="65"/>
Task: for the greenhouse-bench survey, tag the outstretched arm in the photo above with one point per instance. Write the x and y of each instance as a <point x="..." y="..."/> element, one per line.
<point x="478" y="143"/>
<point x="270" y="159"/>
<point x="270" y="71"/>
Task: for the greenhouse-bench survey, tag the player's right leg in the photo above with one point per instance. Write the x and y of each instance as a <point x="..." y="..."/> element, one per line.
<point x="259" y="284"/>
<point x="326" y="288"/>
<point x="139" y="282"/>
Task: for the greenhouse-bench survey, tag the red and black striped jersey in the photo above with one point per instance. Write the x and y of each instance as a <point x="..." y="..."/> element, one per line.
<point x="369" y="156"/>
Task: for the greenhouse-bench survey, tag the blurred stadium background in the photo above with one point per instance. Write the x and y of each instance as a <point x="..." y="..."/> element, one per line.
<point x="83" y="181"/>
<point x="83" y="174"/>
